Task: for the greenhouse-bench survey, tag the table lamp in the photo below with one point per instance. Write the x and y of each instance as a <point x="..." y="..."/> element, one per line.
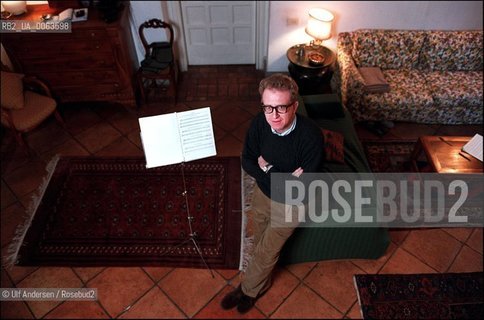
<point x="15" y="7"/>
<point x="319" y="24"/>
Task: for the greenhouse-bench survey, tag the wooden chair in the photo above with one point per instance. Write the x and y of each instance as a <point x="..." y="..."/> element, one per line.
<point x="159" y="69"/>
<point x="26" y="103"/>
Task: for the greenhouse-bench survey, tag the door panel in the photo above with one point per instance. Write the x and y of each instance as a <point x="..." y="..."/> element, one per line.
<point x="219" y="32"/>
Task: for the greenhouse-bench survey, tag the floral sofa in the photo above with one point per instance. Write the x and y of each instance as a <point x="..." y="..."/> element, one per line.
<point x="434" y="76"/>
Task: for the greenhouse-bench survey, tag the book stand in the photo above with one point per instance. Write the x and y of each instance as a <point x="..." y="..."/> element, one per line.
<point x="192" y="235"/>
<point x="193" y="139"/>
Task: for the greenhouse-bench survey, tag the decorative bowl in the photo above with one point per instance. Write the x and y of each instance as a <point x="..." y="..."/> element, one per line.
<point x="315" y="58"/>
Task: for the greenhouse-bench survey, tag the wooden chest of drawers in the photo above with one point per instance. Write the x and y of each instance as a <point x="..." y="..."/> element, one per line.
<point x="93" y="63"/>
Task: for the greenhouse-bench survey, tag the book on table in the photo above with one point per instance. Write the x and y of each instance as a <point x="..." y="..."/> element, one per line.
<point x="177" y="137"/>
<point x="474" y="147"/>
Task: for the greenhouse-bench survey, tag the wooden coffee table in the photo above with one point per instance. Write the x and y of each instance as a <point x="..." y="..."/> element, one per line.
<point x="445" y="156"/>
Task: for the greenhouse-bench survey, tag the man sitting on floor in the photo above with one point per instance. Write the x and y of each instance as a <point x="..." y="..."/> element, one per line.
<point x="278" y="141"/>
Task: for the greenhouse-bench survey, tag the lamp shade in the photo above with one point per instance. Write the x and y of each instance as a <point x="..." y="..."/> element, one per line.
<point x="15" y="7"/>
<point x="319" y="24"/>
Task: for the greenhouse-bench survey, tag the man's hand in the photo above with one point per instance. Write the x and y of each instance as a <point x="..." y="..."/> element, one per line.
<point x="299" y="171"/>
<point x="262" y="162"/>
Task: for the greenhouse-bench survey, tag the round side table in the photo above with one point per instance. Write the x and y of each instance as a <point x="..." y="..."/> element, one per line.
<point x="311" y="78"/>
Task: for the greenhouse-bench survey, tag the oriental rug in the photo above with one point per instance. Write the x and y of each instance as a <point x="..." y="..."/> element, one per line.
<point x="421" y="296"/>
<point x="389" y="156"/>
<point x="116" y="212"/>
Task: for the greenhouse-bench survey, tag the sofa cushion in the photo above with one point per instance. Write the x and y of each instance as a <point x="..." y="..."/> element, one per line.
<point x="387" y="49"/>
<point x="326" y="106"/>
<point x="452" y="50"/>
<point x="451" y="89"/>
<point x="410" y="98"/>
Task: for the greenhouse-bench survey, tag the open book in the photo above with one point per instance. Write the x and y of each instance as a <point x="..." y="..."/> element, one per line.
<point x="177" y="137"/>
<point x="474" y="147"/>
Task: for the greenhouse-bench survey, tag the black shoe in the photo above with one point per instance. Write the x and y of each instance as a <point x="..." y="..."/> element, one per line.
<point x="232" y="298"/>
<point x="246" y="303"/>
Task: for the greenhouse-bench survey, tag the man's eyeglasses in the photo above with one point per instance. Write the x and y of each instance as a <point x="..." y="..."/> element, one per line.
<point x="279" y="109"/>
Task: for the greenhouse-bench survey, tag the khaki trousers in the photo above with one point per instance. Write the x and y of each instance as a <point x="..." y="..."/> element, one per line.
<point x="268" y="241"/>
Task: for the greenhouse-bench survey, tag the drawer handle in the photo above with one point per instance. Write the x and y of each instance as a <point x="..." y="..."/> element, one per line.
<point x="93" y="34"/>
<point x="97" y="46"/>
<point x="116" y="85"/>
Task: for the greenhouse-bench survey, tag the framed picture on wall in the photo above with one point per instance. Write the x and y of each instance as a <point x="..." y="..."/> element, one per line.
<point x="79" y="15"/>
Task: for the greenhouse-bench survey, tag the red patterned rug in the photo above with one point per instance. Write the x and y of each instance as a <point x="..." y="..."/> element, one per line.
<point x="421" y="296"/>
<point x="389" y="156"/>
<point x="115" y="212"/>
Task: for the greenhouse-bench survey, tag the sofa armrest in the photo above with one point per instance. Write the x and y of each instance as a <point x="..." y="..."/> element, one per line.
<point x="355" y="158"/>
<point x="351" y="81"/>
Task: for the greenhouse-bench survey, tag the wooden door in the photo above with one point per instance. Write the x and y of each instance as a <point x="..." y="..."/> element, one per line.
<point x="219" y="32"/>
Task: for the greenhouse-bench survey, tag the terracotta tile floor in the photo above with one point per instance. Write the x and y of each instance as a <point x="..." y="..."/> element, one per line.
<point x="308" y="290"/>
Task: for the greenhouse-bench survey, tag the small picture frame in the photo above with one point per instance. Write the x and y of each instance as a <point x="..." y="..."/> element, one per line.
<point x="79" y="14"/>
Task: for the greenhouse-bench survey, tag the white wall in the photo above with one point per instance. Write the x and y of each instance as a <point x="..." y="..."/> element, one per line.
<point x="352" y="15"/>
<point x="142" y="11"/>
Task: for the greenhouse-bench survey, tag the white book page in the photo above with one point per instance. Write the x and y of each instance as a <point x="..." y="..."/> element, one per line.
<point x="474" y="147"/>
<point x="161" y="140"/>
<point x="196" y="134"/>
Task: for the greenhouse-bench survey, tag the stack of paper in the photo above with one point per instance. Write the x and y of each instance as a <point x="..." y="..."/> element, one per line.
<point x="474" y="147"/>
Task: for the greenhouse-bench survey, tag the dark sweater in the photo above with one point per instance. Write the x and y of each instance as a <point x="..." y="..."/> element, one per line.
<point x="301" y="148"/>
